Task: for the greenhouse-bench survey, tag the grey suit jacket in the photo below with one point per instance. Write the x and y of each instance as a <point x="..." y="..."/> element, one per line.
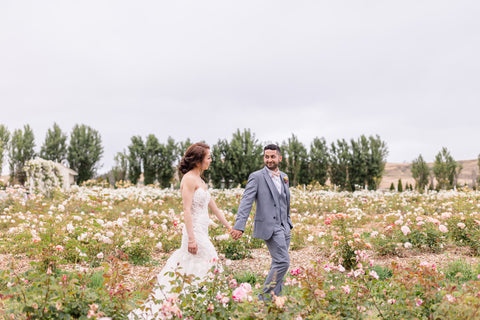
<point x="261" y="190"/>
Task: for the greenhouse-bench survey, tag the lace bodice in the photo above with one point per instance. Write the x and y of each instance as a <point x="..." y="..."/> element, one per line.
<point x="201" y="198"/>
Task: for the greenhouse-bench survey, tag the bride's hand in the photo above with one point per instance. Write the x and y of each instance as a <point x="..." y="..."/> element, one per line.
<point x="192" y="247"/>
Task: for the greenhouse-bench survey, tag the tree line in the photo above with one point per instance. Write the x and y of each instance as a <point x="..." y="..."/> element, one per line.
<point x="348" y="164"/>
<point x="83" y="153"/>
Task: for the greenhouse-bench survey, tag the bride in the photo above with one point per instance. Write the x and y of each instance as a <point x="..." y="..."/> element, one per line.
<point x="197" y="254"/>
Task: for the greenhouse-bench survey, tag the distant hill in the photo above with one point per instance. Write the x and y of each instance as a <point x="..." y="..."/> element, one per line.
<point x="395" y="171"/>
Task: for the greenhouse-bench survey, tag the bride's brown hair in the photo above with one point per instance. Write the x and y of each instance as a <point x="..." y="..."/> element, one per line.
<point x="193" y="156"/>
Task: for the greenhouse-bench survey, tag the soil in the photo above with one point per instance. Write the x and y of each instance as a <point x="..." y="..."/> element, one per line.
<point x="259" y="261"/>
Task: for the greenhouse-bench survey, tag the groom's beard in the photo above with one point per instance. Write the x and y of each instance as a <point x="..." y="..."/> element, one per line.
<point x="272" y="167"/>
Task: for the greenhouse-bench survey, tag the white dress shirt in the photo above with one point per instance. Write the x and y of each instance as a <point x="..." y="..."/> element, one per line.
<point x="276" y="180"/>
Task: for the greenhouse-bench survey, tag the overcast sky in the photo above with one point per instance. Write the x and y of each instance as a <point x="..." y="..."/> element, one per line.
<point x="408" y="71"/>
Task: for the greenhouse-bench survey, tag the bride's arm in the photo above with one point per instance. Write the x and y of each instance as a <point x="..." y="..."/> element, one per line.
<point x="219" y="214"/>
<point x="188" y="190"/>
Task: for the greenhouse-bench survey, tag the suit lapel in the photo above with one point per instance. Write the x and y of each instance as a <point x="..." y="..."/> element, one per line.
<point x="271" y="186"/>
<point x="284" y="185"/>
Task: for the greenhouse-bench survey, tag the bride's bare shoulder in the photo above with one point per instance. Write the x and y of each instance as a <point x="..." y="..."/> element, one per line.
<point x="188" y="181"/>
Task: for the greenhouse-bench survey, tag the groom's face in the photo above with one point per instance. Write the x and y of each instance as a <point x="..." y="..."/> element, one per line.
<point x="271" y="159"/>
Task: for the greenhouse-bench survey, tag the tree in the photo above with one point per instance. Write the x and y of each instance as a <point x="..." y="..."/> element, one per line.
<point x="392" y="187"/>
<point x="220" y="169"/>
<point x="55" y="146"/>
<point x="166" y="158"/>
<point x="244" y="155"/>
<point x="21" y="150"/>
<point x="445" y="169"/>
<point x="150" y="159"/>
<point x="119" y="171"/>
<point x="295" y="161"/>
<point x="339" y="159"/>
<point x="399" y="185"/>
<point x="318" y="166"/>
<point x="376" y="159"/>
<point x="182" y="147"/>
<point x="135" y="156"/>
<point x="358" y="167"/>
<point x="4" y="139"/>
<point x="85" y="151"/>
<point x="420" y="172"/>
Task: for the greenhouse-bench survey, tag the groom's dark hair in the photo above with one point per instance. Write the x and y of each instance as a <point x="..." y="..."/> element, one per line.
<point x="272" y="147"/>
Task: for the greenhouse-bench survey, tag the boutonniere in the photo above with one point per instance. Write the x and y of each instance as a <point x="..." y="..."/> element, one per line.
<point x="285" y="179"/>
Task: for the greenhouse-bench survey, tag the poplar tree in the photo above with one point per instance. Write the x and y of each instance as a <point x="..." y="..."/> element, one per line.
<point x="245" y="156"/>
<point x="119" y="171"/>
<point x="166" y="160"/>
<point x="55" y="145"/>
<point x="446" y="169"/>
<point x="135" y="156"/>
<point x="220" y="170"/>
<point x="85" y="151"/>
<point x="150" y="159"/>
<point x="420" y="172"/>
<point x="22" y="147"/>
<point x="182" y="147"/>
<point x="295" y="161"/>
<point x="376" y="160"/>
<point x="339" y="159"/>
<point x="318" y="164"/>
<point x="4" y="139"/>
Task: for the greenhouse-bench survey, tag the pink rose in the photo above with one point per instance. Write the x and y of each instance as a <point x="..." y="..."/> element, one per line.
<point x="442" y="228"/>
<point x="405" y="230"/>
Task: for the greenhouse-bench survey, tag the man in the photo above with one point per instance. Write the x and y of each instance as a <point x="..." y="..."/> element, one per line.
<point x="269" y="189"/>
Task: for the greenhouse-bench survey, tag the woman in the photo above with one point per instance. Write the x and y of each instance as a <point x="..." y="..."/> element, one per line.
<point x="197" y="254"/>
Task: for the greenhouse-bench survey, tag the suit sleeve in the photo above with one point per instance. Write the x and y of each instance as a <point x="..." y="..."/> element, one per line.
<point x="246" y="203"/>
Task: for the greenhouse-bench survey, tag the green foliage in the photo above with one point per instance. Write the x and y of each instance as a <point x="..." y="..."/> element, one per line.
<point x="55" y="145"/>
<point x="339" y="159"/>
<point x="138" y="253"/>
<point x="318" y="164"/>
<point x="359" y="164"/>
<point x="400" y="185"/>
<point x="247" y="276"/>
<point x="4" y="139"/>
<point x="376" y="155"/>
<point x="295" y="161"/>
<point x="460" y="271"/>
<point x="446" y="169"/>
<point x="167" y="157"/>
<point x="220" y="171"/>
<point x="21" y="150"/>
<point x="150" y="159"/>
<point x="119" y="171"/>
<point x="85" y="151"/>
<point x="232" y="249"/>
<point x="421" y="173"/>
<point x="234" y="161"/>
<point x="136" y="150"/>
<point x="392" y="187"/>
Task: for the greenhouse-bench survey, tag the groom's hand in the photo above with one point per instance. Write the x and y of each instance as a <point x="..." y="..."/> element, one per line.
<point x="236" y="234"/>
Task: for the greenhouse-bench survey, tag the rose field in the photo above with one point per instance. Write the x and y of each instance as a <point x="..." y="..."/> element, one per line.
<point x="93" y="253"/>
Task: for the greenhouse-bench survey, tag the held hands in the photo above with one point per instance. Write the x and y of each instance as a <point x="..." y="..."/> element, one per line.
<point x="192" y="246"/>
<point x="236" y="234"/>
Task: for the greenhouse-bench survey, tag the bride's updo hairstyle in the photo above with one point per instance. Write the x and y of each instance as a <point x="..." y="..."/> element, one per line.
<point x="193" y="156"/>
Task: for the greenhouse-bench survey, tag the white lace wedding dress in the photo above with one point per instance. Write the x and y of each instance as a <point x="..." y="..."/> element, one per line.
<point x="181" y="260"/>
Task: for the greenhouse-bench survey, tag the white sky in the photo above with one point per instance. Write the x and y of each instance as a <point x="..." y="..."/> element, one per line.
<point x="406" y="70"/>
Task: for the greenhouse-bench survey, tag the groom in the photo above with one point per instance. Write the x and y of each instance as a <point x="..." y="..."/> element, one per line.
<point x="268" y="187"/>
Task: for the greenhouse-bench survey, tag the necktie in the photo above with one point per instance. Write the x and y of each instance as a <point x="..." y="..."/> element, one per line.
<point x="276" y="173"/>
